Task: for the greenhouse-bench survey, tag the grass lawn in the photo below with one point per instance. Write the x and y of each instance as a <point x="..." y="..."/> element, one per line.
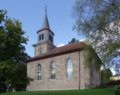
<point x="64" y="92"/>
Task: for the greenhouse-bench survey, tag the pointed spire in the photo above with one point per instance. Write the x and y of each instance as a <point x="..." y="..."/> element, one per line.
<point x="45" y="22"/>
<point x="46" y="9"/>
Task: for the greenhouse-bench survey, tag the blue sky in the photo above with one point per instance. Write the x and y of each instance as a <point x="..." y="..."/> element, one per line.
<point x="31" y="14"/>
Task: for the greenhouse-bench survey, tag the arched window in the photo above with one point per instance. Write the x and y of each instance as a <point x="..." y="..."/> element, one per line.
<point x="39" y="72"/>
<point x="69" y="68"/>
<point x="53" y="70"/>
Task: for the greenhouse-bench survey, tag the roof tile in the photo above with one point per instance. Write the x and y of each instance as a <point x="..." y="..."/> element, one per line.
<point x="58" y="50"/>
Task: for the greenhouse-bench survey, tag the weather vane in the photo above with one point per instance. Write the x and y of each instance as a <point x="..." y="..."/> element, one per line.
<point x="45" y="8"/>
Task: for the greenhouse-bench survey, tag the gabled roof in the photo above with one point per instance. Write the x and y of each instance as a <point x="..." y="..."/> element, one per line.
<point x="45" y="23"/>
<point x="58" y="51"/>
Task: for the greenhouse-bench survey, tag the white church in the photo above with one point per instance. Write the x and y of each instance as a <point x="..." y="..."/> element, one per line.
<point x="58" y="68"/>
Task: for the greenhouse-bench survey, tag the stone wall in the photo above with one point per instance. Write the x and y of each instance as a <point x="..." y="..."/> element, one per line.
<point x="44" y="48"/>
<point x="84" y="72"/>
<point x="95" y="79"/>
<point x="50" y="46"/>
<point x="61" y="82"/>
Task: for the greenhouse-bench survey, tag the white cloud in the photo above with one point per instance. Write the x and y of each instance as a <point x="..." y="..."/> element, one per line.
<point x="83" y="39"/>
<point x="60" y="45"/>
<point x="113" y="71"/>
<point x="101" y="68"/>
<point x="86" y="40"/>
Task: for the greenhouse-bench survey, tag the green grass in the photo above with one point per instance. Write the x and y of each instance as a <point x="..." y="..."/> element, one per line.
<point x="65" y="92"/>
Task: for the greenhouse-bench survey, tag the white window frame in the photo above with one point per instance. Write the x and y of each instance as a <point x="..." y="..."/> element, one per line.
<point x="69" y="68"/>
<point x="52" y="66"/>
<point x="39" y="72"/>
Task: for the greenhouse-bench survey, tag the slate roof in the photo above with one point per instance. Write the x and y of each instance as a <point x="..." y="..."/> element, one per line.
<point x="45" y="23"/>
<point x="58" y="50"/>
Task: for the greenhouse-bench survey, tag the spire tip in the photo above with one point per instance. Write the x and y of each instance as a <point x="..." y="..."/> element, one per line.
<point x="45" y="8"/>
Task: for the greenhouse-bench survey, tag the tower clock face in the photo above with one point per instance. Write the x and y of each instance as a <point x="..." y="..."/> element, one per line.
<point x="40" y="50"/>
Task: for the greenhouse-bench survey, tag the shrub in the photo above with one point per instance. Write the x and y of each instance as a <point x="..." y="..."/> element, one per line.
<point x="94" y="88"/>
<point x="117" y="91"/>
<point x="114" y="82"/>
<point x="101" y="86"/>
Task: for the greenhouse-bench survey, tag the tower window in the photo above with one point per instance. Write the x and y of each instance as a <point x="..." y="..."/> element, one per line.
<point x="50" y="38"/>
<point x="39" y="37"/>
<point x="42" y="36"/>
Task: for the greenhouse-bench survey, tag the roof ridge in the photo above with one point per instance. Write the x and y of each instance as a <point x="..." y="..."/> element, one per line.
<point x="74" y="43"/>
<point x="68" y="44"/>
<point x="64" y="46"/>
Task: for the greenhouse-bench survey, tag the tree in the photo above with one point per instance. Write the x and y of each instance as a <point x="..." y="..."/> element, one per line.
<point x="11" y="49"/>
<point x="21" y="77"/>
<point x="3" y="87"/>
<point x="23" y="56"/>
<point x="100" y="21"/>
<point x="105" y="75"/>
<point x="73" y="41"/>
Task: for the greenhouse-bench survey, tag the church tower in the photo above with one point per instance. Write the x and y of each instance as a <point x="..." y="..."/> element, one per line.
<point x="45" y="38"/>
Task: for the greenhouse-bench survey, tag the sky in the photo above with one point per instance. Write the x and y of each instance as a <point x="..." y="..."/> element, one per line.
<point x="112" y="70"/>
<point x="31" y="13"/>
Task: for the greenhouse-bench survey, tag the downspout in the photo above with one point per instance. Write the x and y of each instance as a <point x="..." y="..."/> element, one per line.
<point x="79" y="68"/>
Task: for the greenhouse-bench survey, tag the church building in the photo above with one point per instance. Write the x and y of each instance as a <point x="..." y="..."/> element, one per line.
<point x="58" y="68"/>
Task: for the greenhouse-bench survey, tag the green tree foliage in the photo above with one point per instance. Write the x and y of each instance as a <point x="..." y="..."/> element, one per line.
<point x="20" y="76"/>
<point x="3" y="87"/>
<point x="11" y="50"/>
<point x="117" y="90"/>
<point x="23" y="56"/>
<point x="91" y="58"/>
<point x="73" y="41"/>
<point x="105" y="75"/>
<point x="100" y="21"/>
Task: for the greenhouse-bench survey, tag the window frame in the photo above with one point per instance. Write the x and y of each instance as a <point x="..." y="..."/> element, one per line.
<point x="69" y="68"/>
<point x="42" y="36"/>
<point x="39" y="37"/>
<point x="52" y="67"/>
<point x="39" y="72"/>
<point x="51" y="39"/>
